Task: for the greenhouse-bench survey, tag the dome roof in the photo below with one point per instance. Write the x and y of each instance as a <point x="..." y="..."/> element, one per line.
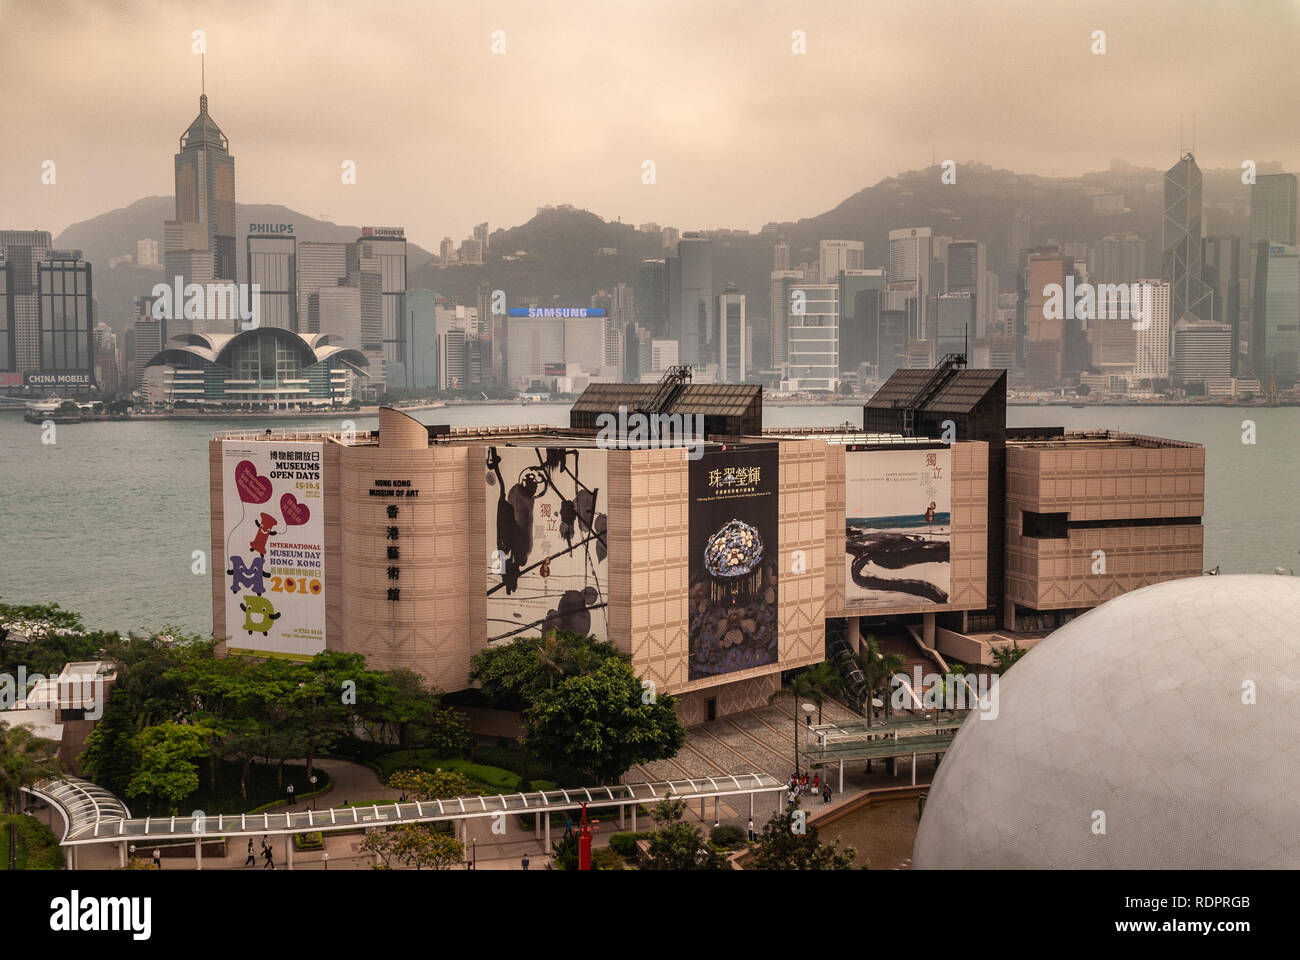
<point x="1171" y="711"/>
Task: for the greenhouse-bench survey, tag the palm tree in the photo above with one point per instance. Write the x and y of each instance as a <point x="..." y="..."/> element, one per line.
<point x="25" y="759"/>
<point x="799" y="690"/>
<point x="1005" y="657"/>
<point x="877" y="667"/>
<point x="823" y="681"/>
<point x="550" y="649"/>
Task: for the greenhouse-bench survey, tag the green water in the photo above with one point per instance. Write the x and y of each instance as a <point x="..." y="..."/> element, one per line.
<point x="105" y="520"/>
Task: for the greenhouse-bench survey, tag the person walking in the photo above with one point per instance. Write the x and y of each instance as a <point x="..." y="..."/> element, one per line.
<point x="524" y="862"/>
<point x="270" y="858"/>
<point x="157" y="858"/>
<point x="826" y="792"/>
<point x="252" y="857"/>
<point x="752" y="836"/>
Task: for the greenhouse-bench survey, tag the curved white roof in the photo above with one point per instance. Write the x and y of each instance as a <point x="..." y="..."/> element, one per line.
<point x="1171" y="712"/>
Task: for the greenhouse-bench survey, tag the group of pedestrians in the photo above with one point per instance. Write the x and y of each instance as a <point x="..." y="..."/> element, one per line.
<point x="799" y="784"/>
<point x="268" y="855"/>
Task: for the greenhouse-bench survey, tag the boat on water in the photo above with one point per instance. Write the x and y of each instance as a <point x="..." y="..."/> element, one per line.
<point x="49" y="409"/>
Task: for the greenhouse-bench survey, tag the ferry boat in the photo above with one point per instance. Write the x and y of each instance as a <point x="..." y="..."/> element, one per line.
<point x="48" y="409"/>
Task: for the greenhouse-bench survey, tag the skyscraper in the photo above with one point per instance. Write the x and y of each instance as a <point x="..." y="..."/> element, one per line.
<point x="1276" y="319"/>
<point x="24" y="250"/>
<point x="383" y="251"/>
<point x="954" y="323"/>
<point x="781" y="255"/>
<point x="1201" y="350"/>
<point x="1221" y="271"/>
<point x="651" y="297"/>
<point x="909" y="269"/>
<point x="1045" y="332"/>
<point x="812" y="333"/>
<point x="272" y="266"/>
<point x="67" y="351"/>
<point x="837" y="255"/>
<point x="205" y="189"/>
<point x="733" y="337"/>
<point x="782" y="282"/>
<point x="967" y="266"/>
<point x="1181" y="243"/>
<point x="692" y="322"/>
<point x="320" y="265"/>
<point x="1152" y="336"/>
<point x="1273" y="208"/>
<point x="859" y="315"/>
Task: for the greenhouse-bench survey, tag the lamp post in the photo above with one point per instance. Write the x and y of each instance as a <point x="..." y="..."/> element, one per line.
<point x="325" y="858"/>
<point x="313" y="791"/>
<point x="290" y="791"/>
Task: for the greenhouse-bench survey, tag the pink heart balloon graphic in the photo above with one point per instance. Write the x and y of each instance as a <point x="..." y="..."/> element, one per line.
<point x="295" y="513"/>
<point x="252" y="486"/>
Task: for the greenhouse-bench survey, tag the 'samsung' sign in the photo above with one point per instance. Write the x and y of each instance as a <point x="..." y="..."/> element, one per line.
<point x="544" y="312"/>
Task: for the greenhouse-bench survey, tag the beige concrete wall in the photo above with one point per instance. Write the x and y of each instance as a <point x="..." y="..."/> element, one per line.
<point x="692" y="708"/>
<point x="427" y="628"/>
<point x="1102" y="482"/>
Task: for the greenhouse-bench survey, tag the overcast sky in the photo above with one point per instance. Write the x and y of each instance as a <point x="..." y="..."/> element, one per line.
<point x="446" y="134"/>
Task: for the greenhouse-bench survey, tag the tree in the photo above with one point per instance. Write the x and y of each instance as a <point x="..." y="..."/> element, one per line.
<point x="878" y="668"/>
<point x="25" y="759"/>
<point x="1005" y="657"/>
<point x="513" y="675"/>
<point x="422" y="785"/>
<point x="602" y="722"/>
<point x="167" y="772"/>
<point x="677" y="845"/>
<point x="1083" y="389"/>
<point x="789" y="842"/>
<point x="415" y="845"/>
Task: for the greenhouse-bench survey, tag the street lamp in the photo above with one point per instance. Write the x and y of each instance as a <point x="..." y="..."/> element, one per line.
<point x="313" y="791"/>
<point x="291" y="794"/>
<point x="808" y="710"/>
<point x="325" y="858"/>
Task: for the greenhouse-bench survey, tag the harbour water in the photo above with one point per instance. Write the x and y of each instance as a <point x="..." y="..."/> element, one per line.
<point x="105" y="521"/>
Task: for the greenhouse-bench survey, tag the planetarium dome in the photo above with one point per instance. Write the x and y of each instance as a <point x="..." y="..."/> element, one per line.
<point x="1170" y="716"/>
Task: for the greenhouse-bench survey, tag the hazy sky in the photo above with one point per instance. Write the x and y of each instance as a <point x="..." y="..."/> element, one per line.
<point x="445" y="133"/>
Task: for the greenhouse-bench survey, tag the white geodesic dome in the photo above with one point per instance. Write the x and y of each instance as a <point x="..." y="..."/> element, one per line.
<point x="1140" y="711"/>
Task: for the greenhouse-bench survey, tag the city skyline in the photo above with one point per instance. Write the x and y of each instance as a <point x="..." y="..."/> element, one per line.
<point x="529" y="122"/>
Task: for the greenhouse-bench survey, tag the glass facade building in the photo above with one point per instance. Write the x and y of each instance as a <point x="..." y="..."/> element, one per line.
<point x="1276" y="335"/>
<point x="813" y="331"/>
<point x="67" y="326"/>
<point x="272" y="266"/>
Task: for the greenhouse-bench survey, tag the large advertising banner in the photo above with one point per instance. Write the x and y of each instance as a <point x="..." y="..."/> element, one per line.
<point x="734" y="515"/>
<point x="274" y="547"/>
<point x="548" y="558"/>
<point x="898" y="527"/>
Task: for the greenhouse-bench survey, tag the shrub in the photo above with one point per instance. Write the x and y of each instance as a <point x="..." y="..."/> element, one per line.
<point x="728" y="837"/>
<point x="624" y="844"/>
<point x="604" y="858"/>
<point x="308" y="841"/>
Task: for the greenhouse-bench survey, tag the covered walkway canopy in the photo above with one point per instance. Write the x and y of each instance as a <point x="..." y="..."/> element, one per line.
<point x="93" y="815"/>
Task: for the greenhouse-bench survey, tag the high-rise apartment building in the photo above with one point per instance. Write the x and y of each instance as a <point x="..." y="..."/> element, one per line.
<point x="1118" y="258"/>
<point x="1045" y="332"/>
<point x="481" y="235"/>
<point x="954" y="324"/>
<point x="669" y="236"/>
<point x="1151" y="336"/>
<point x="382" y="250"/>
<point x="781" y="255"/>
<point x="471" y="251"/>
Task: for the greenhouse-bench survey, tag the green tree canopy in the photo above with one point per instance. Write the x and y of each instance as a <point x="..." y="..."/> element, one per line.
<point x="25" y="759"/>
<point x="789" y="842"/>
<point x="602" y="722"/>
